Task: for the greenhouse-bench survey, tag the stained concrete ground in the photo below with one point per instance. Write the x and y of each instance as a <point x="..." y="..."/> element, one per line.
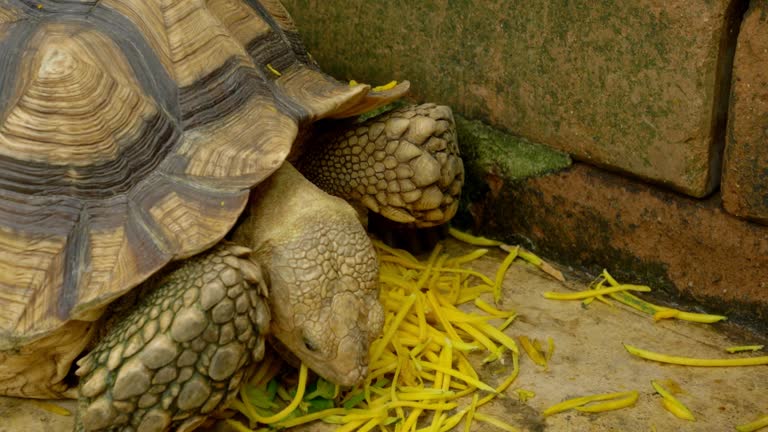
<point x="588" y="359"/>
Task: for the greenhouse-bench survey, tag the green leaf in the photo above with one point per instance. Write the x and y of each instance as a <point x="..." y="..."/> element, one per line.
<point x="283" y="394"/>
<point x="272" y="389"/>
<point x="320" y="404"/>
<point x="381" y="382"/>
<point x="322" y="388"/>
<point x="259" y="397"/>
<point x="354" y="400"/>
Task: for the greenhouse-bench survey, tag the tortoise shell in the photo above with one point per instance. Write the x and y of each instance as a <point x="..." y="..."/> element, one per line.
<point x="130" y="134"/>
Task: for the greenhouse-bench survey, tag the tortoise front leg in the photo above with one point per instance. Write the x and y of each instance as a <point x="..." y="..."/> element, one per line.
<point x="181" y="353"/>
<point x="403" y="164"/>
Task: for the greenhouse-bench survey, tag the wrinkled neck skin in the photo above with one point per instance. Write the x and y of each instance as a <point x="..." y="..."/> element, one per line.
<point x="323" y="274"/>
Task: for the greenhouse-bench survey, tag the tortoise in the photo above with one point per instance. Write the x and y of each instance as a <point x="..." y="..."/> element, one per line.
<point x="134" y="136"/>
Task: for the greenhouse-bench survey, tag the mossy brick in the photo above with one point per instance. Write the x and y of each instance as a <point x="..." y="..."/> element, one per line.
<point x="489" y="150"/>
<point x="635" y="86"/>
<point x="745" y="173"/>
<point x="494" y="160"/>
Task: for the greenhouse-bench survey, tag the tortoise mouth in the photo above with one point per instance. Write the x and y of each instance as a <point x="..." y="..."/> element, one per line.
<point x="344" y="370"/>
<point x="352" y="378"/>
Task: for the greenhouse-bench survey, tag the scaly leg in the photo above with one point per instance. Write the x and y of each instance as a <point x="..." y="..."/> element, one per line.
<point x="403" y="164"/>
<point x="181" y="353"/>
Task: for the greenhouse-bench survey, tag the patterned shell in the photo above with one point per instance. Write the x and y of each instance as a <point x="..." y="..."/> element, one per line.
<point x="130" y="134"/>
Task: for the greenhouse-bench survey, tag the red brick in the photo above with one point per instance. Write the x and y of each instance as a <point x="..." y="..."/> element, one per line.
<point x="687" y="248"/>
<point x="745" y="174"/>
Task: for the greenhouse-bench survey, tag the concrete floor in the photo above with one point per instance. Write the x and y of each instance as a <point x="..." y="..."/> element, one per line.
<point x="588" y="359"/>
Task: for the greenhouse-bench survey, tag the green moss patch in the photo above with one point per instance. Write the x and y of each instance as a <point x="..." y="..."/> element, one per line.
<point x="489" y="150"/>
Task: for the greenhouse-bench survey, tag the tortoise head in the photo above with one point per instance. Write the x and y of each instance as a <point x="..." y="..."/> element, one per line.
<point x="323" y="274"/>
<point x="324" y="299"/>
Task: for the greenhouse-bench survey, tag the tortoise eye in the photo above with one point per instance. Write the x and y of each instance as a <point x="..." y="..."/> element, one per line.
<point x="309" y="345"/>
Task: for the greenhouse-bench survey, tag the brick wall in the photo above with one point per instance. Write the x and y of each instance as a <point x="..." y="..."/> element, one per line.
<point x="637" y="87"/>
